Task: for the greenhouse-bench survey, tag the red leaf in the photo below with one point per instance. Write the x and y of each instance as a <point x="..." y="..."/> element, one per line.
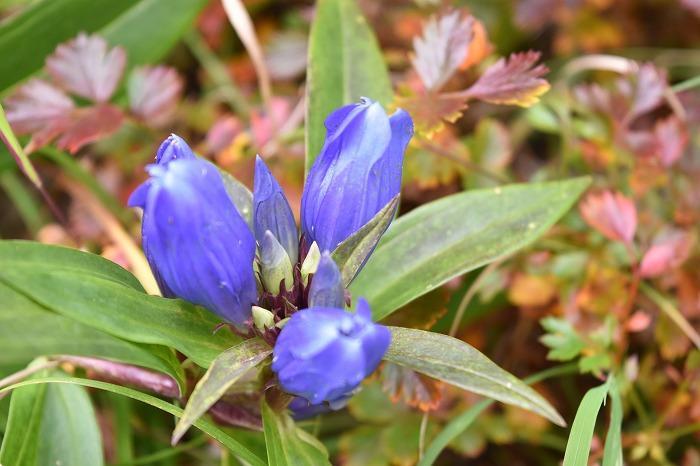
<point x="670" y="138"/>
<point x="154" y="93"/>
<point x="36" y="105"/>
<point x="414" y="389"/>
<point x="670" y="250"/>
<point x="89" y="124"/>
<point x="516" y="80"/>
<point x="430" y="111"/>
<point x="612" y="214"/>
<point x="442" y="48"/>
<point x="86" y="67"/>
<point x="645" y="90"/>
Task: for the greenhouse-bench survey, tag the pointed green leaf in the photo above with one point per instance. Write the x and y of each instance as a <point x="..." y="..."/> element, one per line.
<point x="352" y="253"/>
<point x="455" y="362"/>
<point x="613" y="441"/>
<point x="287" y="444"/>
<point x="578" y="446"/>
<point x="29" y="330"/>
<point x="52" y="424"/>
<point x="205" y="426"/>
<point x="345" y="63"/>
<point x="224" y="371"/>
<point x="98" y="293"/>
<point x="446" y="238"/>
<point x="7" y="137"/>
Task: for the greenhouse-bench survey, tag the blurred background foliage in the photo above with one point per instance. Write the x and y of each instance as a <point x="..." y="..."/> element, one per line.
<point x="614" y="288"/>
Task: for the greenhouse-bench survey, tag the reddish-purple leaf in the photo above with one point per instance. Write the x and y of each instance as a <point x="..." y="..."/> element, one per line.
<point x="516" y="80"/>
<point x="90" y="124"/>
<point x="612" y="214"/>
<point x="671" y="139"/>
<point x="645" y="90"/>
<point x="442" y="48"/>
<point x="37" y="105"/>
<point x="692" y="5"/>
<point x="670" y="250"/>
<point x="410" y="387"/>
<point x="154" y="93"/>
<point x="87" y="67"/>
<point x="430" y="111"/>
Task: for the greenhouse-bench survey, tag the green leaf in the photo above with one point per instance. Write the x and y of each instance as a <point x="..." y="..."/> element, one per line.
<point x="446" y="238"/>
<point x="287" y="444"/>
<point x="613" y="441"/>
<point x="457" y="363"/>
<point x="102" y="295"/>
<point x="7" y="137"/>
<point x="561" y="338"/>
<point x="224" y="371"/>
<point x="581" y="435"/>
<point x="207" y="427"/>
<point x="29" y="37"/>
<point x="29" y="330"/>
<point x="460" y="423"/>
<point x="351" y="254"/>
<point x="49" y="425"/>
<point x="345" y="63"/>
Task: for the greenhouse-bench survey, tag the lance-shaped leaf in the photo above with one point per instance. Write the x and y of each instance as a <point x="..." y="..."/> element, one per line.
<point x="8" y="138"/>
<point x="446" y="238"/>
<point x="578" y="446"/>
<point x="455" y="362"/>
<point x="224" y="371"/>
<point x="52" y="424"/>
<point x="100" y="294"/>
<point x="287" y="444"/>
<point x="351" y="254"/>
<point x="351" y="68"/>
<point x="516" y="80"/>
<point x="442" y="47"/>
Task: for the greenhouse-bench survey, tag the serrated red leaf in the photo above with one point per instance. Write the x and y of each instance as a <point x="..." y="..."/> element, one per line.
<point x="431" y="111"/>
<point x="612" y="214"/>
<point x="89" y="124"/>
<point x="410" y="387"/>
<point x="154" y="93"/>
<point x="87" y="67"/>
<point x="645" y="90"/>
<point x="670" y="250"/>
<point x="442" y="48"/>
<point x="516" y="80"/>
<point x="36" y="106"/>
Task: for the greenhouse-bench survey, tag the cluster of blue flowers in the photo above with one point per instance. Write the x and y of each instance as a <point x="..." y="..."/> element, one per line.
<point x="264" y="277"/>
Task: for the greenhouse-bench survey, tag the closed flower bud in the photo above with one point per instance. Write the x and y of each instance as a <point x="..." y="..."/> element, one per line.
<point x="271" y="211"/>
<point x="322" y="354"/>
<point x="310" y="263"/>
<point x="275" y="267"/>
<point x="197" y="244"/>
<point x="173" y="148"/>
<point x="357" y="172"/>
<point x="327" y="285"/>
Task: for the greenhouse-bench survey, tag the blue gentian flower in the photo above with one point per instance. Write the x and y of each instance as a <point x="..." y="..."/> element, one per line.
<point x="322" y="354"/>
<point x="198" y="245"/>
<point x="326" y="288"/>
<point x="271" y="212"/>
<point x="357" y="172"/>
<point x="173" y="148"/>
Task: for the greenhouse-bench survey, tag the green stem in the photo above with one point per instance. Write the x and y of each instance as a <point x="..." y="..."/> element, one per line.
<point x="687" y="84"/>
<point x="167" y="453"/>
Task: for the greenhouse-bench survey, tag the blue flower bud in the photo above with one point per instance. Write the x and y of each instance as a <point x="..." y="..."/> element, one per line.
<point x="327" y="285"/>
<point x="173" y="148"/>
<point x="271" y="211"/>
<point x="357" y="172"/>
<point x="197" y="244"/>
<point x="322" y="354"/>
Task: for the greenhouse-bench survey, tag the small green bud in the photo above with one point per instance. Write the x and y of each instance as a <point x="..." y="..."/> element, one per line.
<point x="275" y="265"/>
<point x="262" y="318"/>
<point x="313" y="257"/>
<point x="282" y="323"/>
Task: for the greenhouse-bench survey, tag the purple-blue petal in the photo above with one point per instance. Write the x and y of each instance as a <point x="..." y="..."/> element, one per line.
<point x="357" y="172"/>
<point x="198" y="246"/>
<point x="173" y="148"/>
<point x="271" y="211"/>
